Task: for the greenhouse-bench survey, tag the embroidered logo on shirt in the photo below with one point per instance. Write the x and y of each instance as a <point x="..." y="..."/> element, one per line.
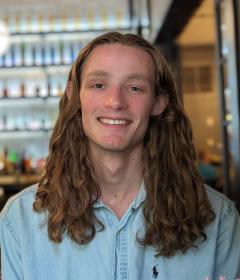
<point x="154" y="272"/>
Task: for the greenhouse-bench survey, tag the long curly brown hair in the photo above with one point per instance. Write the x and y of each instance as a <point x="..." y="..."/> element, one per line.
<point x="176" y="208"/>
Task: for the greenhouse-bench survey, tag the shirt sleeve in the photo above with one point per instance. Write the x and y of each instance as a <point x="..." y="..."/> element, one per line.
<point x="227" y="264"/>
<point x="10" y="251"/>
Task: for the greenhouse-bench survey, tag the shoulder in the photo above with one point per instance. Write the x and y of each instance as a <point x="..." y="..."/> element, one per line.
<point x="223" y="207"/>
<point x="19" y="204"/>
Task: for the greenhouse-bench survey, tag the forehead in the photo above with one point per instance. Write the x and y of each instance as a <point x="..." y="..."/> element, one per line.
<point x="118" y="57"/>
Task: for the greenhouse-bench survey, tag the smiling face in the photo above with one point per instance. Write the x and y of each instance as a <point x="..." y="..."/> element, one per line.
<point x="117" y="97"/>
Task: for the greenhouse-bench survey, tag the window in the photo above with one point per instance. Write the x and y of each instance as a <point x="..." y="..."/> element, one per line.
<point x="197" y="79"/>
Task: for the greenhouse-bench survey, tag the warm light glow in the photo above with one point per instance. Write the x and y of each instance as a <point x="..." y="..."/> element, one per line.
<point x="210" y="121"/>
<point x="4" y="38"/>
<point x="210" y="142"/>
<point x="219" y="145"/>
<point x="229" y="117"/>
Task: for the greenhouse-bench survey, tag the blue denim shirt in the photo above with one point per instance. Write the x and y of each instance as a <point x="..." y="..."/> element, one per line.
<point x="114" y="254"/>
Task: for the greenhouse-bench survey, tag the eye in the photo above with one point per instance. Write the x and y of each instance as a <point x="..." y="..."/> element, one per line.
<point x="135" y="89"/>
<point x="98" y="86"/>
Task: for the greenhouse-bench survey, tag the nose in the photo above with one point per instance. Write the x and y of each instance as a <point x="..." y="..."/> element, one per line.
<point x="115" y="99"/>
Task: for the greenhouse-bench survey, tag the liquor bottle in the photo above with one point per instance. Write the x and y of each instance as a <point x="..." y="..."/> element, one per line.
<point x="5" y="90"/>
<point x="48" y="58"/>
<point x="1" y="89"/>
<point x="61" y="48"/>
<point x="45" y="24"/>
<point x="71" y="23"/>
<point x="11" y="24"/>
<point x="57" y="53"/>
<point x="6" y="20"/>
<point x="28" y="55"/>
<point x="29" y="23"/>
<point x="5" y="161"/>
<point x="79" y="47"/>
<point x="43" y="55"/>
<point x="58" y="25"/>
<point x="52" y="55"/>
<point x="34" y="27"/>
<point x="75" y="50"/>
<point x="120" y="18"/>
<point x="20" y="21"/>
<point x="19" y="123"/>
<point x="17" y="23"/>
<point x="26" y="163"/>
<point x="23" y="23"/>
<point x="22" y="89"/>
<point x="72" y="53"/>
<point x="66" y="53"/>
<point x="22" y="47"/>
<point x="63" y="22"/>
<point x="13" y="56"/>
<point x="49" y="87"/>
<point x="60" y="91"/>
<point x="90" y="20"/>
<point x="40" y="23"/>
<point x="2" y="126"/>
<point x="4" y="121"/>
<point x="37" y="91"/>
<point x="51" y="22"/>
<point x="4" y="60"/>
<point x="104" y="17"/>
<point x="77" y="21"/>
<point x="1" y="167"/>
<point x="18" y="56"/>
<point x="8" y="60"/>
<point x="34" y="55"/>
<point x="38" y="58"/>
<point x="22" y="163"/>
<point x="13" y="160"/>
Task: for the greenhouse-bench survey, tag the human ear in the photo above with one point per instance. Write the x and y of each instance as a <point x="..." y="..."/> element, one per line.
<point x="69" y="89"/>
<point x="159" y="105"/>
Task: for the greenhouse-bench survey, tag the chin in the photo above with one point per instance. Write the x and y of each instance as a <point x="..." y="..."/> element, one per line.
<point x="116" y="144"/>
<point x="114" y="147"/>
<point x="118" y="147"/>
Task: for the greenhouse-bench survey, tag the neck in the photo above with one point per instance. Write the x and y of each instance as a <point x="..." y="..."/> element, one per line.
<point x="119" y="175"/>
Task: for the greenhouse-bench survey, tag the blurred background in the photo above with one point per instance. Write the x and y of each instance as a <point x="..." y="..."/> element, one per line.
<point x="39" y="40"/>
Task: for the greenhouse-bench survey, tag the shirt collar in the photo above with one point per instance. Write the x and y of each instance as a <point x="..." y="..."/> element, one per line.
<point x="140" y="197"/>
<point x="136" y="202"/>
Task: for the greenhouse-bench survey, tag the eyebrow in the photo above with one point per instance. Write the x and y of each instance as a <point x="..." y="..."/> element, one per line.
<point x="98" y="73"/>
<point x="102" y="73"/>
<point x="138" y="76"/>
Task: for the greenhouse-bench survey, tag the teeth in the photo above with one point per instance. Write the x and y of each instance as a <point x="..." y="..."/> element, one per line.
<point x="110" y="121"/>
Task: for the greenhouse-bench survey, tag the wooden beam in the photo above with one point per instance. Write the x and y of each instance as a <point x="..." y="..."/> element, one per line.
<point x="177" y="17"/>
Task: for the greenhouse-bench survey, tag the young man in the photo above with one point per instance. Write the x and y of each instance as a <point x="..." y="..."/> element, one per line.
<point x="121" y="197"/>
